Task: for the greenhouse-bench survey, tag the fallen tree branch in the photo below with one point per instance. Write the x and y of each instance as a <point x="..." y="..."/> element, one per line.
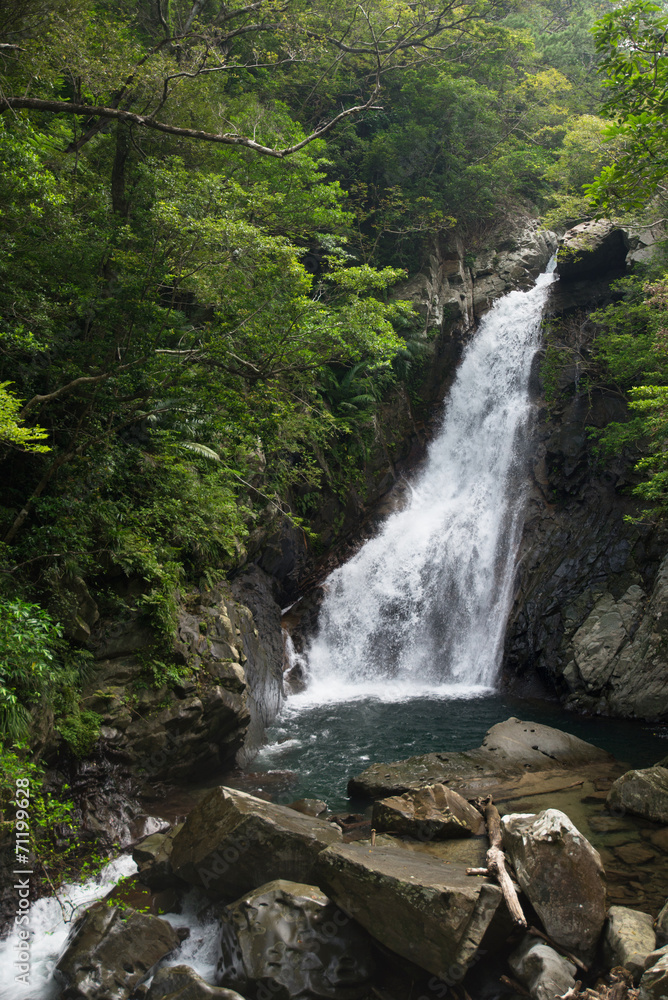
<point x="496" y="861"/>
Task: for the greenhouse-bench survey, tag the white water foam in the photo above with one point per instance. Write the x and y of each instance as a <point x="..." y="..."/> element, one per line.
<point x="421" y="609"/>
<point x="50" y="923"/>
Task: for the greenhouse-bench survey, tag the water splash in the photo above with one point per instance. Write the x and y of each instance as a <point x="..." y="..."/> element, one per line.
<point x="50" y="924"/>
<point x="422" y="607"/>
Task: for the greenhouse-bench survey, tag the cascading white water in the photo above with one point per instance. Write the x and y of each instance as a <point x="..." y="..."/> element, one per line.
<point x="422" y="607"/>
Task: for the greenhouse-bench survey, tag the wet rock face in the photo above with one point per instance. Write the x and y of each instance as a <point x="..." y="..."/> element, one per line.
<point x="263" y="649"/>
<point x="592" y="248"/>
<point x="232" y="842"/>
<point x="430" y="913"/>
<point x="562" y="876"/>
<point x="434" y="812"/>
<point x="291" y="939"/>
<point x="110" y="951"/>
<point x="545" y="973"/>
<point x="629" y="939"/>
<point x="643" y="793"/>
<point x="199" y="724"/>
<point x="591" y="594"/>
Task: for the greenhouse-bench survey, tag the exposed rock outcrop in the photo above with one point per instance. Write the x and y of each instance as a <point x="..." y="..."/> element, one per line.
<point x="590" y="591"/>
<point x="290" y="938"/>
<point x="199" y="723"/>
<point x="592" y="248"/>
<point x="457" y="287"/>
<point x="431" y="913"/>
<point x="233" y="842"/>
<point x="562" y="876"/>
<point x="110" y="950"/>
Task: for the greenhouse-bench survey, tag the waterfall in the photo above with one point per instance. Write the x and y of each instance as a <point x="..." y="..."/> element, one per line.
<point x="422" y="607"/>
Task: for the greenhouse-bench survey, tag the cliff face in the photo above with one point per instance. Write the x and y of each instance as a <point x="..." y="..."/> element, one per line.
<point x="591" y="596"/>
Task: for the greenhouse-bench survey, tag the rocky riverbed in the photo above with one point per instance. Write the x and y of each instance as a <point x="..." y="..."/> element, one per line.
<point x="302" y="903"/>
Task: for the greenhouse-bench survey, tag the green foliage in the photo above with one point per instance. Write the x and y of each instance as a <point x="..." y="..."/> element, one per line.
<point x="551" y="368"/>
<point x="633" y="43"/>
<point x="81" y="731"/>
<point x="29" y="640"/>
<point x="634" y="348"/>
<point x="11" y="431"/>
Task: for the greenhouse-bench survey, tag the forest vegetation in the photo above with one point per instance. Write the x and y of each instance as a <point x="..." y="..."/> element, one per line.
<point x="207" y="209"/>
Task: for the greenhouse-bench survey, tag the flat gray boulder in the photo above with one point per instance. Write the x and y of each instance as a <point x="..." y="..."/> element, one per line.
<point x="510" y="751"/>
<point x="643" y="793"/>
<point x="110" y="950"/>
<point x="432" y="813"/>
<point x="292" y="939"/>
<point x="232" y="842"/>
<point x="180" y="982"/>
<point x="546" y="974"/>
<point x="654" y="982"/>
<point x="429" y="912"/>
<point x="629" y="938"/>
<point x="561" y="875"/>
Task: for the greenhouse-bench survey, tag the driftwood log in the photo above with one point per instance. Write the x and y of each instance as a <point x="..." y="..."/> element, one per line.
<point x="496" y="861"/>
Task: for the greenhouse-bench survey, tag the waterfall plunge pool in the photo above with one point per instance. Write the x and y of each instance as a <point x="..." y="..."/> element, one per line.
<point x="313" y="749"/>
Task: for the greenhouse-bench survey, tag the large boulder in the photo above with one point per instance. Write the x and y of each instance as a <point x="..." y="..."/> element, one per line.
<point x="293" y="939"/>
<point x="153" y="858"/>
<point x="545" y="973"/>
<point x="629" y="939"/>
<point x="561" y="875"/>
<point x="432" y="813"/>
<point x="510" y="750"/>
<point x="180" y="982"/>
<point x="592" y="248"/>
<point x="643" y="793"/>
<point x="429" y="912"/>
<point x="654" y="982"/>
<point x="232" y="842"/>
<point x="110" y="950"/>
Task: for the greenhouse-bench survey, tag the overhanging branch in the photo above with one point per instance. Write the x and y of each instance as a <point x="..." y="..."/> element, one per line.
<point x="225" y="138"/>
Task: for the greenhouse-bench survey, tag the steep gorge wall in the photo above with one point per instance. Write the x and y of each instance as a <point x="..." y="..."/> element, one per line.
<point x="590" y="614"/>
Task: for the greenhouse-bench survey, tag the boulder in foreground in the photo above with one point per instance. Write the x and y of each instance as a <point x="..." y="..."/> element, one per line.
<point x="654" y="983"/>
<point x="232" y="842"/>
<point x="430" y="913"/>
<point x="561" y="875"/>
<point x="545" y="973"/>
<point x="643" y="793"/>
<point x="110" y="951"/>
<point x="291" y="939"/>
<point x="629" y="939"/>
<point x="432" y="813"/>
